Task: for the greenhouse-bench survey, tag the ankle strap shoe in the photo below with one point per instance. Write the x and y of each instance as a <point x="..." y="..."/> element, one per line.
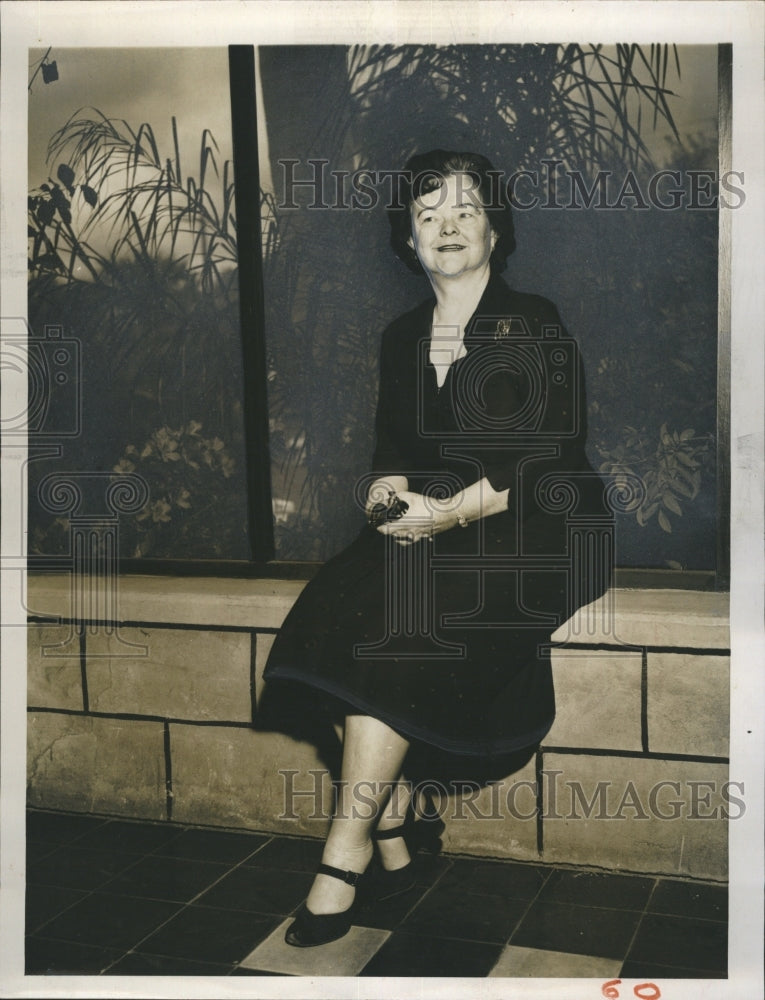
<point x="311" y="929"/>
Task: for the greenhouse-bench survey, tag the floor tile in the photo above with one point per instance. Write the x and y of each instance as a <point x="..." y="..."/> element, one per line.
<point x="37" y="851"/>
<point x="618" y="892"/>
<point x="387" y="914"/>
<point x="450" y="913"/>
<point x="43" y="902"/>
<point x="79" y="868"/>
<point x="109" y="921"/>
<point x="204" y="934"/>
<point x="582" y="930"/>
<point x="133" y="838"/>
<point x="536" y="963"/>
<point x="259" y="890"/>
<point x="653" y="971"/>
<point x="690" y="899"/>
<point x="47" y="957"/>
<point x="430" y="868"/>
<point x="140" y="898"/>
<point x="415" y="955"/>
<point x="345" y="957"/>
<point x="289" y="855"/>
<point x="680" y="941"/>
<point x="136" y="964"/>
<point x="506" y="878"/>
<point x="59" y="828"/>
<point x="176" y="879"/>
<point x="213" y="845"/>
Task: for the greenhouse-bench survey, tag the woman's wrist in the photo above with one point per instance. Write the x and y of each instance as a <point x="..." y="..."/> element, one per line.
<point x="476" y="502"/>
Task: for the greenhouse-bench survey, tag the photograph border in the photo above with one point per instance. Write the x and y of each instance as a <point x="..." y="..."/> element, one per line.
<point x="147" y="23"/>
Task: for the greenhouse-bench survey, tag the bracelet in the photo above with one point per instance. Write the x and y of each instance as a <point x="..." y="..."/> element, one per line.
<point x="462" y="521"/>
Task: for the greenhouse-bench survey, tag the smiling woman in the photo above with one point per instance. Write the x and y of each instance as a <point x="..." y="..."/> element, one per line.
<point x="427" y="639"/>
<point x="636" y="278"/>
<point x="451" y="233"/>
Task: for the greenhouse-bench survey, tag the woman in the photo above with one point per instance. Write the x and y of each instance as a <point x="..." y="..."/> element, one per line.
<point x="426" y="635"/>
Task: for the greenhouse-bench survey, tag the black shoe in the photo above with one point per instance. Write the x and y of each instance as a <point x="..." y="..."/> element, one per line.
<point x="426" y="830"/>
<point x="311" y="929"/>
<point x="423" y="834"/>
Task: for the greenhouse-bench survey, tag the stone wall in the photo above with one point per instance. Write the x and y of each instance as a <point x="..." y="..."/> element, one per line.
<point x="152" y="720"/>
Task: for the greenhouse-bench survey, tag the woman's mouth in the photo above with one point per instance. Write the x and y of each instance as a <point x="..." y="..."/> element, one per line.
<point x="448" y="247"/>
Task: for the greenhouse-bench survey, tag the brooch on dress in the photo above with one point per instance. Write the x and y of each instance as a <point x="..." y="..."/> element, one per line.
<point x="503" y="329"/>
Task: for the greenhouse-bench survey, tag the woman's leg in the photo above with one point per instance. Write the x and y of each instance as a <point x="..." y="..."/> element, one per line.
<point x="373" y="755"/>
<point x="394" y="853"/>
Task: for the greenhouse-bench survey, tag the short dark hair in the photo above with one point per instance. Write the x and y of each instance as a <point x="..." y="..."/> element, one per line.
<point x="425" y="172"/>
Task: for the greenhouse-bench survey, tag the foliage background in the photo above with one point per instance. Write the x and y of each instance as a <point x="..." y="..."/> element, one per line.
<point x="132" y="250"/>
<point x="636" y="287"/>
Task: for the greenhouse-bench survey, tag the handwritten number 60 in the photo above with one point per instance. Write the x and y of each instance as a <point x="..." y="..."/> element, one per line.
<point x="645" y="991"/>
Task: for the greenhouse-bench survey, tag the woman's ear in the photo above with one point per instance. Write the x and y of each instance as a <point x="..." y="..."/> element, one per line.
<point x="410" y="243"/>
<point x="494" y="238"/>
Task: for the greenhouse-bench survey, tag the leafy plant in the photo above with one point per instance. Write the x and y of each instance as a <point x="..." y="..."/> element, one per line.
<point x="142" y="198"/>
<point x="50" y="226"/>
<point x="584" y="105"/>
<point x="185" y="474"/>
<point x="139" y="262"/>
<point x="669" y="470"/>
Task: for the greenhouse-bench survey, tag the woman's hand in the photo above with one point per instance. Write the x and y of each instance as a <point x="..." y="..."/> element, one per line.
<point x="426" y="517"/>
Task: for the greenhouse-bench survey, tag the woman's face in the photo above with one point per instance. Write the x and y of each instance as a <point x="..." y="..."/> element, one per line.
<point x="451" y="234"/>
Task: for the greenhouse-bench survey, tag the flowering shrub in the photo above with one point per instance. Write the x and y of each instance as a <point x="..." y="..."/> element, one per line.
<point x="185" y="475"/>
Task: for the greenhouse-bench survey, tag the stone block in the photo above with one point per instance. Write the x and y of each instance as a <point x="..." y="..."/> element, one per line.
<point x="652" y="618"/>
<point x="614" y="812"/>
<point x="212" y="601"/>
<point x="237" y="777"/>
<point x="185" y="674"/>
<point x="54" y="674"/>
<point x="597" y="698"/>
<point x="499" y="821"/>
<point x="96" y="765"/>
<point x="688" y="704"/>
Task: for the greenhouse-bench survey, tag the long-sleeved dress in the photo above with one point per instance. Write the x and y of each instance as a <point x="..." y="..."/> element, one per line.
<point x="445" y="641"/>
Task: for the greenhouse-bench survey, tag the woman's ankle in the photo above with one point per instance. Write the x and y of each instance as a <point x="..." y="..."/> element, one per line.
<point x="394" y="853"/>
<point x="352" y="857"/>
<point x="332" y="895"/>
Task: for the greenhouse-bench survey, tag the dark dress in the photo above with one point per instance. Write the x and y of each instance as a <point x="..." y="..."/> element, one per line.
<point x="445" y="641"/>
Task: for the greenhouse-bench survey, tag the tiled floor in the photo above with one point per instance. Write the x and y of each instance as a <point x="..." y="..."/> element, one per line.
<point x="117" y="897"/>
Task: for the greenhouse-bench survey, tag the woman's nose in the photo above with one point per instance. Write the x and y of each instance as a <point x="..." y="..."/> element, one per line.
<point x="448" y="225"/>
